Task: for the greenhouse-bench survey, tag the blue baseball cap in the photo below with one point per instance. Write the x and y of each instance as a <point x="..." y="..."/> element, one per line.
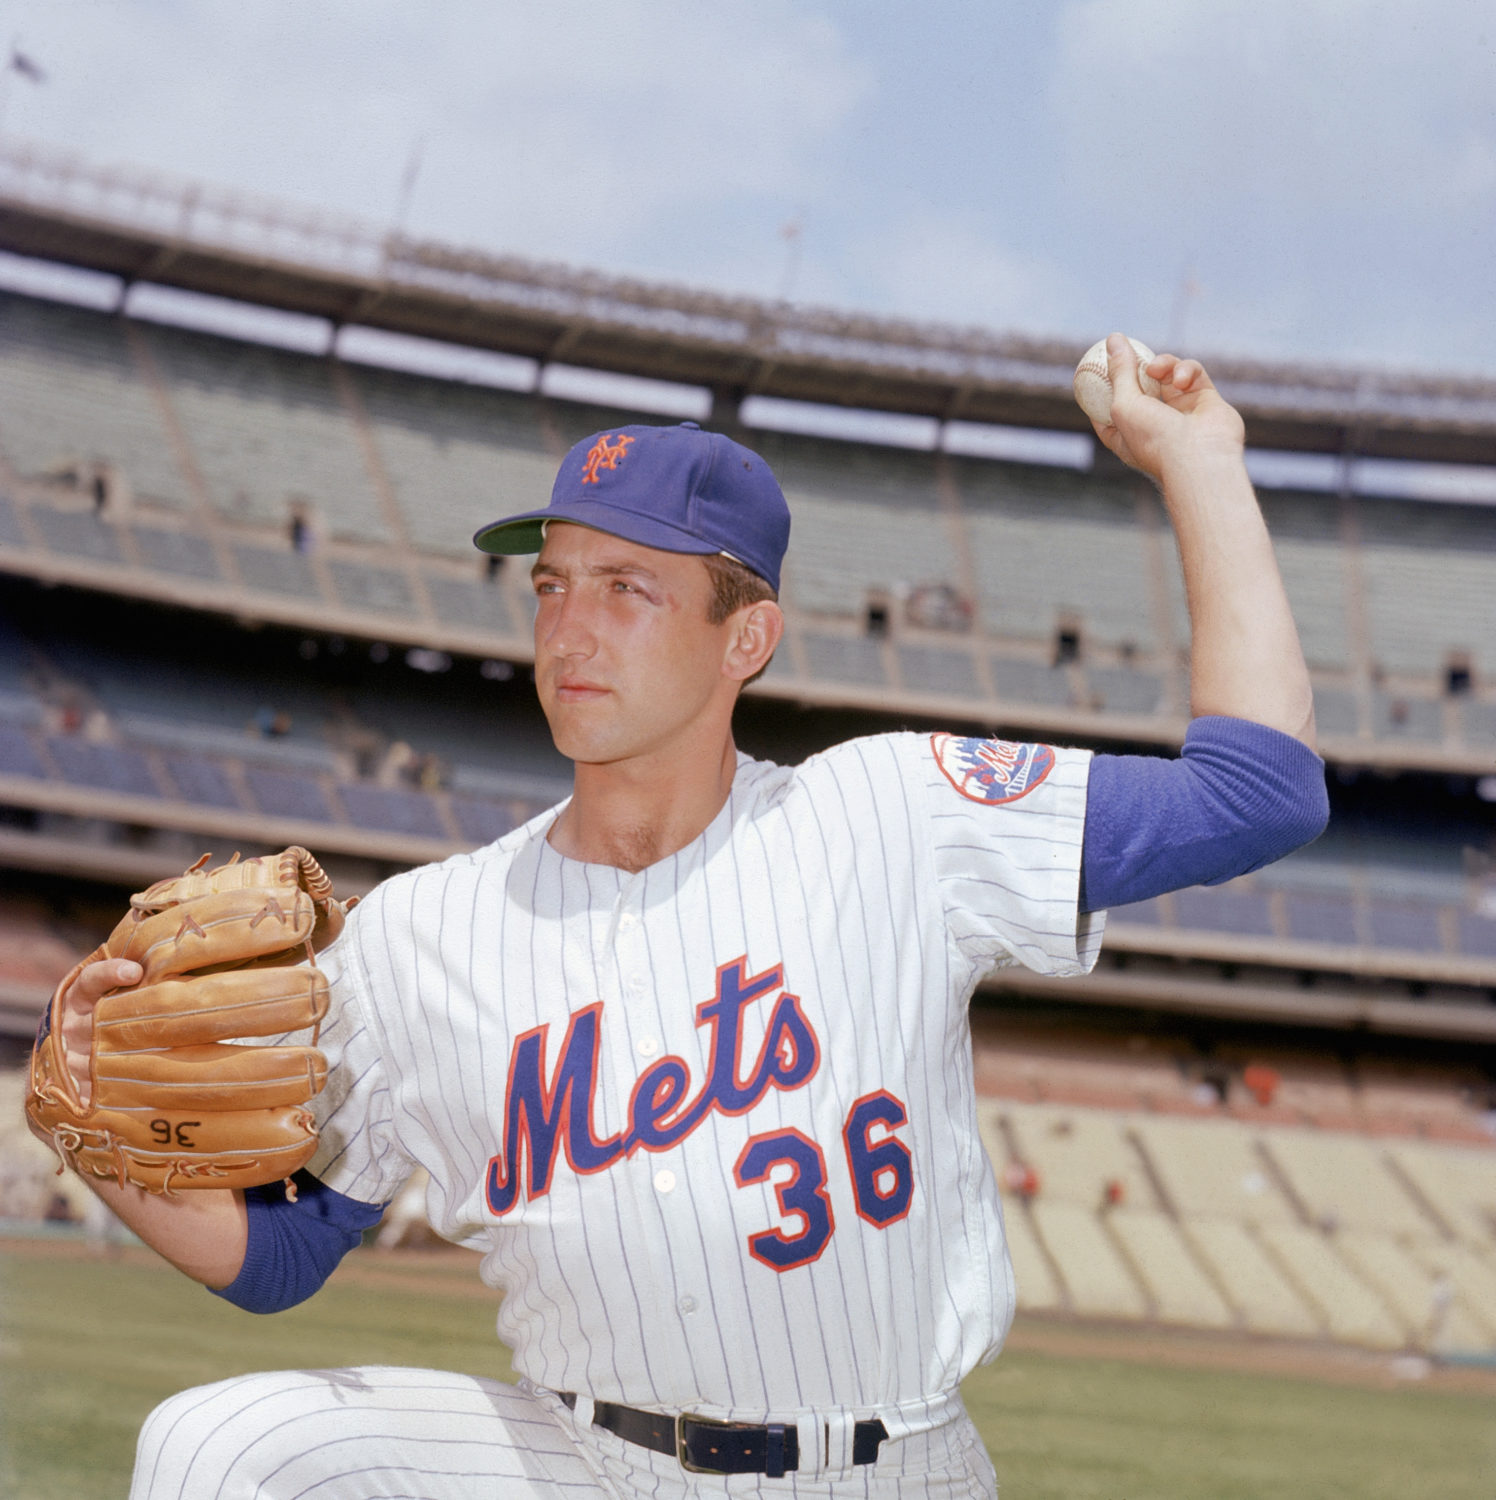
<point x="676" y="488"/>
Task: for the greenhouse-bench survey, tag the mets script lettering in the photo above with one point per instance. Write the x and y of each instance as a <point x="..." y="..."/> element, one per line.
<point x="545" y="1115"/>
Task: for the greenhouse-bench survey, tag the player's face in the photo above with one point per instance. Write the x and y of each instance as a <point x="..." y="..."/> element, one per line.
<point x="626" y="662"/>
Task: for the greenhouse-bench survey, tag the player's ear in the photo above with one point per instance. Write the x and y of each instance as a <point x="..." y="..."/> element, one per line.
<point x="753" y="637"/>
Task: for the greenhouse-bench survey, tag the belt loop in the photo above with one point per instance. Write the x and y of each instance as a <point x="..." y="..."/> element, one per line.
<point x="584" y="1409"/>
<point x="837" y="1442"/>
<point x="812" y="1433"/>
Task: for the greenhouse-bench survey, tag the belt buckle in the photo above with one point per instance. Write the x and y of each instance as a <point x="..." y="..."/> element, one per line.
<point x="683" y="1458"/>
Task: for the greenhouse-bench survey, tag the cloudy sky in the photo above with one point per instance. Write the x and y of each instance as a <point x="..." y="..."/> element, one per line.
<point x="1292" y="179"/>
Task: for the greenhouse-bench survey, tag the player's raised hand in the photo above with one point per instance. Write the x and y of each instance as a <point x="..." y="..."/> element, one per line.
<point x="1187" y="421"/>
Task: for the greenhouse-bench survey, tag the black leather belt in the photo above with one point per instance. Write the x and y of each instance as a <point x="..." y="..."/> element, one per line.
<point x="704" y="1446"/>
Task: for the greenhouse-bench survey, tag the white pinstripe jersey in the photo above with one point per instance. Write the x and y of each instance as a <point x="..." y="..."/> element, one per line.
<point x="713" y="1123"/>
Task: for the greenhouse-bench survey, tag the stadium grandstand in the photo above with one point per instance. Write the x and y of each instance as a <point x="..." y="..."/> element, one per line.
<point x="243" y="447"/>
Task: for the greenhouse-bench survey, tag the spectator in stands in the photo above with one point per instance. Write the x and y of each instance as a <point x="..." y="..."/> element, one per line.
<point x="301" y="534"/>
<point x="396" y="765"/>
<point x="271" y="723"/>
<point x="1022" y="1180"/>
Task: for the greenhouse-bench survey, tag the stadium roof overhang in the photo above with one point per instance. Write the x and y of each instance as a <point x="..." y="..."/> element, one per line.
<point x="144" y="228"/>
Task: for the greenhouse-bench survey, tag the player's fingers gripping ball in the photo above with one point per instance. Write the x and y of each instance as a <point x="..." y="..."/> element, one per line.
<point x="1092" y="382"/>
<point x="166" y="1093"/>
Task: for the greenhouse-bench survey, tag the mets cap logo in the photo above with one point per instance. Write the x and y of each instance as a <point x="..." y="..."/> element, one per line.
<point x="606" y="453"/>
<point x="991" y="771"/>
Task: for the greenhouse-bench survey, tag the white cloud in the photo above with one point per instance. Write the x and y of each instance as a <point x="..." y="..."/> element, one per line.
<point x="953" y="271"/>
<point x="563" y="129"/>
<point x="1374" y="106"/>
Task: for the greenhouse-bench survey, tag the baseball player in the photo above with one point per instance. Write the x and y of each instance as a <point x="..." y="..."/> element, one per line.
<point x="686" y="1057"/>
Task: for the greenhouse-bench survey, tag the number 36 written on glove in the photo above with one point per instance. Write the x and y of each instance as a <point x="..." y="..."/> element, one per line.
<point x="160" y="1090"/>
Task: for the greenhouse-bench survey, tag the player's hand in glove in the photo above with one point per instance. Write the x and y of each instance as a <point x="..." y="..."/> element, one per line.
<point x="137" y="1075"/>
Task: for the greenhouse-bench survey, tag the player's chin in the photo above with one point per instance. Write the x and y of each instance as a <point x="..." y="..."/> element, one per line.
<point x="580" y="741"/>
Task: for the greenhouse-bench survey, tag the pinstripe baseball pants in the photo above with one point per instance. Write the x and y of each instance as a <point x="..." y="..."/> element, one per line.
<point x="405" y="1434"/>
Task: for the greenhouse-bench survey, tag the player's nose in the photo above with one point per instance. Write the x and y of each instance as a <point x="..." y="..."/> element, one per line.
<point x="565" y="627"/>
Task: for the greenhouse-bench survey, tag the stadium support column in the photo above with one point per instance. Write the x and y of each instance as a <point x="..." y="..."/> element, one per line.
<point x="727" y="405"/>
<point x="1357" y="618"/>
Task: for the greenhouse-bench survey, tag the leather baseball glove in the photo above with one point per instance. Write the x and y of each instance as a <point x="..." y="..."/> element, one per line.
<point x="153" y="1089"/>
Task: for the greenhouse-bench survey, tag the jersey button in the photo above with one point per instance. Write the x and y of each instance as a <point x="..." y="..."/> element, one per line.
<point x="665" y="1180"/>
<point x="648" y="1046"/>
<point x="687" y="1305"/>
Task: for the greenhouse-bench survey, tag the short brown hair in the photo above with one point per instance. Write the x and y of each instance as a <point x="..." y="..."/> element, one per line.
<point x="734" y="587"/>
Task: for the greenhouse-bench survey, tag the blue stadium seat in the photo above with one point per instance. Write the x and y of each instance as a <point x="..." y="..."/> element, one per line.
<point x="360" y="586"/>
<point x="111" y="768"/>
<point x="1410" y="926"/>
<point x="1402" y="716"/>
<point x="837" y="658"/>
<point x="1029" y="681"/>
<point x="481" y="822"/>
<point x="283" y="795"/>
<point x="11" y="534"/>
<point x="392" y="810"/>
<point x="939" y="669"/>
<point x="1221" y="909"/>
<point x="78" y="533"/>
<point x="1125" y="690"/>
<point x="180" y="553"/>
<point x="17" y="757"/>
<point x="1322" y="919"/>
<point x="277" y="572"/>
<point x="200" y="780"/>
<point x="1477" y="935"/>
<point x="470" y="604"/>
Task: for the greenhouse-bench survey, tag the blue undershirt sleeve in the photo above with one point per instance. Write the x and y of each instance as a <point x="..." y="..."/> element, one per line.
<point x="1239" y="796"/>
<point x="294" y="1247"/>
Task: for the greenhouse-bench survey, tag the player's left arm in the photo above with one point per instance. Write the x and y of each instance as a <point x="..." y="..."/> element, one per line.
<point x="1245" y="658"/>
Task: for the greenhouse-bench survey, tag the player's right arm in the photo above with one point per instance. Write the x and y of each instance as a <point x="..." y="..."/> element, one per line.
<point x="1245" y="657"/>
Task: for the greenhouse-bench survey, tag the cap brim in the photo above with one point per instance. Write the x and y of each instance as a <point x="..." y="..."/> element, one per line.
<point x="525" y="533"/>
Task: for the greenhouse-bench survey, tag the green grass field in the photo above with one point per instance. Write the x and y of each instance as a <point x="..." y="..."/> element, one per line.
<point x="87" y="1347"/>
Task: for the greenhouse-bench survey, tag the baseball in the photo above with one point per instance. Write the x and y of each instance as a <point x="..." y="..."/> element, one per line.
<point x="1093" y="386"/>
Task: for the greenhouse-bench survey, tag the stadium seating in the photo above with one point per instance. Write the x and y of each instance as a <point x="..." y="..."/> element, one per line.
<point x="457" y="455"/>
<point x="72" y="393"/>
<point x="1342" y="1180"/>
<point x="1351" y="1311"/>
<point x="1426" y="1303"/>
<point x="1049" y="545"/>
<point x="1073" y="578"/>
<point x="1264" y="1299"/>
<point x="268" y="432"/>
<point x="1312" y="559"/>
<point x="1178" y="1287"/>
<point x="865" y="520"/>
<point x="1458" y="1184"/>
<point x="1430" y="576"/>
<point x="1078" y="1153"/>
<point x="1097" y="1277"/>
<point x="844" y="658"/>
<point x="1212" y="1169"/>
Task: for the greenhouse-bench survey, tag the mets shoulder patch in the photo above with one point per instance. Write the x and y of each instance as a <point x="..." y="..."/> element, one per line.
<point x="991" y="771"/>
